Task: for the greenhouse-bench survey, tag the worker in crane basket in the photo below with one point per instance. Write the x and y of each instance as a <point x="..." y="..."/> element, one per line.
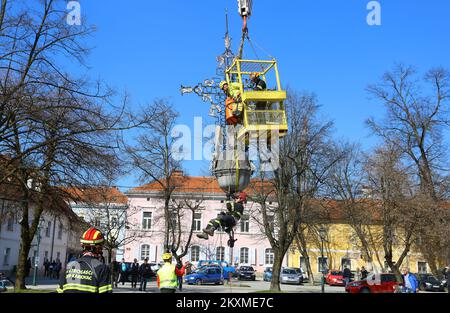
<point x="228" y="220"/>
<point x="233" y="104"/>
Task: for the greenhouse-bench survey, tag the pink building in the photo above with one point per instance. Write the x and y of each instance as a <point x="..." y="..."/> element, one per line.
<point x="147" y="218"/>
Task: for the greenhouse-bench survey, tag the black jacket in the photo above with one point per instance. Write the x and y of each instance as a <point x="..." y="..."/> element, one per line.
<point x="145" y="270"/>
<point x="86" y="275"/>
<point x="134" y="269"/>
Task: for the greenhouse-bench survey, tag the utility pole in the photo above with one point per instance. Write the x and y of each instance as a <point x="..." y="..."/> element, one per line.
<point x="36" y="259"/>
<point x="53" y="239"/>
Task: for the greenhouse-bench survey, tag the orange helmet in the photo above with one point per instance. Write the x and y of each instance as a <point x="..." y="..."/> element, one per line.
<point x="92" y="237"/>
<point x="241" y="196"/>
<point x="254" y="75"/>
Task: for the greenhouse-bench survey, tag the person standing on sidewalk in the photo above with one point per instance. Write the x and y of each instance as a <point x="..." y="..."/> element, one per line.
<point x="134" y="273"/>
<point x="145" y="271"/>
<point x="364" y="273"/>
<point x="167" y="277"/>
<point x="347" y="275"/>
<point x="410" y="283"/>
<point x="87" y="274"/>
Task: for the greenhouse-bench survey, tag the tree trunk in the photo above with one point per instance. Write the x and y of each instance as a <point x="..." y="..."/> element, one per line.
<point x="25" y="246"/>
<point x="276" y="269"/>
<point x="22" y="264"/>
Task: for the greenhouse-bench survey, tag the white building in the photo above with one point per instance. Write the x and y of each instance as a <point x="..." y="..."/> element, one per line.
<point x="104" y="208"/>
<point x="56" y="231"/>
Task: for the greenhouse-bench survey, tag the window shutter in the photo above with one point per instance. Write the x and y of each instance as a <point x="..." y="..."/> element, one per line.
<point x="262" y="256"/>
<point x="152" y="257"/>
<point x="227" y="254"/>
<point x="252" y="256"/>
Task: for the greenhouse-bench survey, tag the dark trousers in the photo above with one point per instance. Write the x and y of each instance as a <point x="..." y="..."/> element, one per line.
<point x="134" y="280"/>
<point x="143" y="285"/>
<point x="180" y="282"/>
<point x="123" y="278"/>
<point x="167" y="290"/>
<point x="223" y="221"/>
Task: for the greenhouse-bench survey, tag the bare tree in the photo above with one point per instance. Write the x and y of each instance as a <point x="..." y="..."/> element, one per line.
<point x="417" y="113"/>
<point x="304" y="162"/>
<point x="391" y="186"/>
<point x="346" y="185"/>
<point x="152" y="156"/>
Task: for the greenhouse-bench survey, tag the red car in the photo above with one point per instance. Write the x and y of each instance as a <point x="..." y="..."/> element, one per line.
<point x="374" y="283"/>
<point x="335" y="278"/>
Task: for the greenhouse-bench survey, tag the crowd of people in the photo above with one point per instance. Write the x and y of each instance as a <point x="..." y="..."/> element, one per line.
<point x="52" y="269"/>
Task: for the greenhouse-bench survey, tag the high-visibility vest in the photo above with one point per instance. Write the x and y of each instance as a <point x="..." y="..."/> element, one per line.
<point x="167" y="276"/>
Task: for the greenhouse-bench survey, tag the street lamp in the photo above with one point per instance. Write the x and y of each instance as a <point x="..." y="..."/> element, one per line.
<point x="36" y="259"/>
<point x="322" y="234"/>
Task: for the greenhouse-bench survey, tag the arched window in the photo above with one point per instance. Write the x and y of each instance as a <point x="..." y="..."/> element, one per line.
<point x="244" y="256"/>
<point x="145" y="252"/>
<point x="195" y="253"/>
<point x="220" y="253"/>
<point x="269" y="256"/>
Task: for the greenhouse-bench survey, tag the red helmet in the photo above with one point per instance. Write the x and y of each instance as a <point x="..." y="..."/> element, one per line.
<point x="92" y="237"/>
<point x="241" y="196"/>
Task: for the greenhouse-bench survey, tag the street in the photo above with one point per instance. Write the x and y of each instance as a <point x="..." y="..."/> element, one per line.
<point x="235" y="287"/>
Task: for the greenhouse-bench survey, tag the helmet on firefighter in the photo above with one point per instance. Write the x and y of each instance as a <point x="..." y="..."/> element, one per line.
<point x="241" y="196"/>
<point x="92" y="237"/>
<point x="222" y="84"/>
<point x="254" y="75"/>
<point x="167" y="256"/>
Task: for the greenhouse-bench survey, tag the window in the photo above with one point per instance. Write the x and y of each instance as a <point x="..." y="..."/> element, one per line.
<point x="269" y="256"/>
<point x="244" y="256"/>
<point x="10" y="226"/>
<point x="114" y="222"/>
<point x="145" y="252"/>
<point x="245" y="225"/>
<point x="220" y="253"/>
<point x="197" y="221"/>
<point x="195" y="253"/>
<point x="6" y="256"/>
<point x="271" y="222"/>
<point x="421" y="267"/>
<point x="60" y="231"/>
<point x="322" y="264"/>
<point x="173" y="220"/>
<point x="48" y="229"/>
<point x="147" y="221"/>
<point x="303" y="265"/>
<point x="46" y="255"/>
<point x="58" y="256"/>
<point x="346" y="263"/>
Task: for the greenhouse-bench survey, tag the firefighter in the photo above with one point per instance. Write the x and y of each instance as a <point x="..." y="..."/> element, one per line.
<point x="258" y="83"/>
<point x="87" y="274"/>
<point x="233" y="105"/>
<point x="226" y="221"/>
<point x="167" y="276"/>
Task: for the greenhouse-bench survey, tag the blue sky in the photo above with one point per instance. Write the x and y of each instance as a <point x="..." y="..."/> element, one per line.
<point x="150" y="48"/>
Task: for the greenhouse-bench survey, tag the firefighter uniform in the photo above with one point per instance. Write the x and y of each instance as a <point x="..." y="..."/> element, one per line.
<point x="86" y="275"/>
<point x="167" y="276"/>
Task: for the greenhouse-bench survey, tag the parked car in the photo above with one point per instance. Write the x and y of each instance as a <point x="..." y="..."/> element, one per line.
<point x="335" y="278"/>
<point x="247" y="273"/>
<point x="267" y="276"/>
<point x="3" y="284"/>
<point x="381" y="283"/>
<point x="205" y="275"/>
<point x="291" y="276"/>
<point x="427" y="282"/>
<point x="303" y="273"/>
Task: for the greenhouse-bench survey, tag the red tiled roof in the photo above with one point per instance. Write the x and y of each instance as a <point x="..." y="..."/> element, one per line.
<point x="97" y="195"/>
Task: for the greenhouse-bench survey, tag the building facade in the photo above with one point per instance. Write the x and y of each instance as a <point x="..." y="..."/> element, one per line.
<point x="54" y="242"/>
<point x="146" y="216"/>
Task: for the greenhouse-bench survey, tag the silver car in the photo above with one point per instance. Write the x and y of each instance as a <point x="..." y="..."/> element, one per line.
<point x="291" y="276"/>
